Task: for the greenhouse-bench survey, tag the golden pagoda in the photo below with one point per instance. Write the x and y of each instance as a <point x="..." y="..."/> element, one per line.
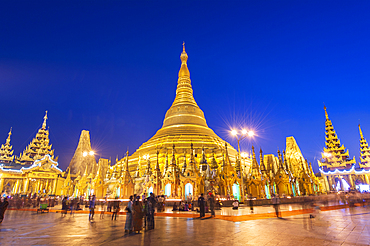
<point x="282" y="179"/>
<point x="185" y="127"/>
<point x="184" y="123"/>
<point x="255" y="183"/>
<point x="6" y="152"/>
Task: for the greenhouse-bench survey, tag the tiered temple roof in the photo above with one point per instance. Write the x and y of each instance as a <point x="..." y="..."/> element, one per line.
<point x="6" y="150"/>
<point x="335" y="155"/>
<point x="39" y="146"/>
<point x="364" y="151"/>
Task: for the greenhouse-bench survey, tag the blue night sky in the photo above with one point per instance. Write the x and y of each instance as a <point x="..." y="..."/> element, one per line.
<point x="111" y="67"/>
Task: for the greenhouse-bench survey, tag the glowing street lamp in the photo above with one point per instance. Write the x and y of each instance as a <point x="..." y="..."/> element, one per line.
<point x="85" y="153"/>
<point x="244" y="155"/>
<point x="239" y="137"/>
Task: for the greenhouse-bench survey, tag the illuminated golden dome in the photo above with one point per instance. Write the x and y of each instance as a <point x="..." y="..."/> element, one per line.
<point x="184" y="123"/>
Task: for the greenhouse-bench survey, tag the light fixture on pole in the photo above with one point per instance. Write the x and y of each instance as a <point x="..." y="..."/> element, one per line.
<point x="240" y="136"/>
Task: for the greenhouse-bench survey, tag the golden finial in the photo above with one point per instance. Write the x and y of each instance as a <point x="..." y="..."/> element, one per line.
<point x="326" y="113"/>
<point x="361" y="135"/>
<point x="45" y="118"/>
<point x="183" y="46"/>
<point x="9" y="134"/>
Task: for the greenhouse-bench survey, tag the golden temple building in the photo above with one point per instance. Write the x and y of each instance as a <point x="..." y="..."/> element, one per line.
<point x="338" y="170"/>
<point x="35" y="170"/>
<point x="184" y="157"/>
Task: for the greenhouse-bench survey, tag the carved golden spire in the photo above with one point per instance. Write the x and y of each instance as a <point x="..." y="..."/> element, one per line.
<point x="184" y="109"/>
<point x="45" y="118"/>
<point x="6" y="152"/>
<point x="361" y="135"/>
<point x="126" y="164"/>
<point x="157" y="164"/>
<point x="326" y="113"/>
<point x="9" y="134"/>
<point x="364" y="151"/>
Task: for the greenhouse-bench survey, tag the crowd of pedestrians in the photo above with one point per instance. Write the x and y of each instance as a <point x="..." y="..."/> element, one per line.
<point x="140" y="210"/>
<point x="140" y="214"/>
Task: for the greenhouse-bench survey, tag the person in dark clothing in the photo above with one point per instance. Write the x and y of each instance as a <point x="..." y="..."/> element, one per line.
<point x="3" y="206"/>
<point x="116" y="209"/>
<point x="64" y="206"/>
<point x="211" y="201"/>
<point x="92" y="207"/>
<point x="150" y="205"/>
<point x="201" y="204"/>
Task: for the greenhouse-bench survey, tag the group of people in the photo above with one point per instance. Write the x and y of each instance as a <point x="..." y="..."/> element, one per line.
<point x="3" y="206"/>
<point x="202" y="204"/>
<point x="140" y="214"/>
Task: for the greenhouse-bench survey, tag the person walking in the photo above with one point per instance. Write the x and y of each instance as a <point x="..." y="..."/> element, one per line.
<point x="250" y="198"/>
<point x="212" y="202"/>
<point x="3" y="206"/>
<point x="92" y="207"/>
<point x="137" y="215"/>
<point x="103" y="205"/>
<point x="128" y="224"/>
<point x="116" y="209"/>
<point x="150" y="206"/>
<point x="201" y="204"/>
<point x="275" y="202"/>
<point x="64" y="206"/>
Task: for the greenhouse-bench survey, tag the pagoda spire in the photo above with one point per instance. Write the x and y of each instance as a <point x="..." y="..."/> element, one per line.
<point x="326" y="114"/>
<point x="364" y="151"/>
<point x="203" y="161"/>
<point x="157" y="163"/>
<point x="45" y="118"/>
<point x="148" y="167"/>
<point x="335" y="155"/>
<point x="126" y="163"/>
<point x="9" y="134"/>
<point x="184" y="165"/>
<point x="6" y="152"/>
<point x="184" y="109"/>
<point x="214" y="164"/>
<point x="280" y="161"/>
<point x="262" y="164"/>
<point x="255" y="171"/>
<point x="192" y="167"/>
<point x="173" y="160"/>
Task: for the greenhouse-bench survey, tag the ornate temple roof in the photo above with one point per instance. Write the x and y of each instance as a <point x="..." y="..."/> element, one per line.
<point x="6" y="150"/>
<point x="364" y="151"/>
<point x="335" y="155"/>
<point x="39" y="146"/>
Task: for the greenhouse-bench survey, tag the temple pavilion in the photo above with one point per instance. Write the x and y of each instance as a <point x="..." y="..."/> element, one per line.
<point x="35" y="170"/>
<point x="338" y="171"/>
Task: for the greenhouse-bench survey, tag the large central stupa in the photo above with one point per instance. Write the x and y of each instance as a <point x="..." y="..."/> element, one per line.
<point x="184" y="123"/>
